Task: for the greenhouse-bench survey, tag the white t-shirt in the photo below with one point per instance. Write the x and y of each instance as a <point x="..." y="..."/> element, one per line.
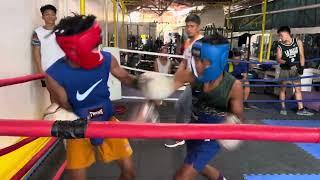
<point x="187" y="50"/>
<point x="164" y="68"/>
<point x="50" y="50"/>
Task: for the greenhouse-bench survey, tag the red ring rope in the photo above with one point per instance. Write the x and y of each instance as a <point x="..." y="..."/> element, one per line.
<point x="22" y="79"/>
<point x="36" y="128"/>
<point x="17" y="145"/>
<point x="60" y="171"/>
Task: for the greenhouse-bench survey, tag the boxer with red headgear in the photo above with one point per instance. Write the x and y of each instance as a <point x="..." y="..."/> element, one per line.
<point x="79" y="48"/>
<point x="78" y="83"/>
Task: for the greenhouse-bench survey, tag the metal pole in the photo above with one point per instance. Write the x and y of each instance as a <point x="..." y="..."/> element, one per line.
<point x="264" y="10"/>
<point x="128" y="42"/>
<point x="269" y="46"/>
<point x="82" y="7"/>
<point x="231" y="40"/>
<point x="138" y="36"/>
<point x="249" y="49"/>
<point x="115" y="22"/>
<point x="228" y="17"/>
<point x="124" y="12"/>
<point x="228" y="21"/>
<point x="105" y="20"/>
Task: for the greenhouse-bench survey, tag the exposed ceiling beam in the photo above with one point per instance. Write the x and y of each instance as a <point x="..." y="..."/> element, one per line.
<point x="166" y="8"/>
<point x="152" y="3"/>
<point x="163" y="5"/>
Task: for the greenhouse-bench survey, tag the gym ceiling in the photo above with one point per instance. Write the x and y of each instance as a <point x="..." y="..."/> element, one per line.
<point x="161" y="6"/>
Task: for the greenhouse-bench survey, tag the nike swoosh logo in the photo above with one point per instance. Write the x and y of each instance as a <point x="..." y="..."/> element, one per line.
<point x="81" y="97"/>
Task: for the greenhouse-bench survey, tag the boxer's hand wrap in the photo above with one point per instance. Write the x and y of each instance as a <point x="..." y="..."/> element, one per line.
<point x="68" y="126"/>
<point x="156" y="86"/>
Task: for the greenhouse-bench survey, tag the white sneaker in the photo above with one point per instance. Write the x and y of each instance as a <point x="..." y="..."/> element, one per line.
<point x="178" y="143"/>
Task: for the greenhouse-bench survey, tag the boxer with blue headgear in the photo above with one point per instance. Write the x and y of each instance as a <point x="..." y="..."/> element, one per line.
<point x="217" y="97"/>
<point x="216" y="55"/>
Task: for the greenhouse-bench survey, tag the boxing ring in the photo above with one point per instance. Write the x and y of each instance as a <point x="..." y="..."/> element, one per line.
<point x="55" y="129"/>
<point x="68" y="129"/>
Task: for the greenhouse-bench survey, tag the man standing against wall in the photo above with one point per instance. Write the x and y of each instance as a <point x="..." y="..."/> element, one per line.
<point x="184" y="104"/>
<point x="45" y="49"/>
<point x="290" y="56"/>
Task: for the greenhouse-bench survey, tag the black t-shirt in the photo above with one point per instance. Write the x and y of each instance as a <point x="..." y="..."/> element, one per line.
<point x="290" y="52"/>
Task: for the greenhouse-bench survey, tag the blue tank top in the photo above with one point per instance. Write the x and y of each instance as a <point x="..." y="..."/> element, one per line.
<point x="87" y="90"/>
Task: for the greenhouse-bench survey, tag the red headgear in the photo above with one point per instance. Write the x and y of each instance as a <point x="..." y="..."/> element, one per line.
<point x="79" y="47"/>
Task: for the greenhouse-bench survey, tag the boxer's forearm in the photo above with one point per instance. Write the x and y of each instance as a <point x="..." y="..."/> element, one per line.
<point x="301" y="50"/>
<point x="182" y="76"/>
<point x="36" y="55"/>
<point x="58" y="93"/>
<point x="122" y="75"/>
<point x="132" y="81"/>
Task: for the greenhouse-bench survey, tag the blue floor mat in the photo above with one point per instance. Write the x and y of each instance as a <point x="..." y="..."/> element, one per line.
<point x="282" y="177"/>
<point x="311" y="148"/>
<point x="276" y="106"/>
<point x="299" y="123"/>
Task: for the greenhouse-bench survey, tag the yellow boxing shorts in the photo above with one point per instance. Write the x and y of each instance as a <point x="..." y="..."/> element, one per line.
<point x="82" y="154"/>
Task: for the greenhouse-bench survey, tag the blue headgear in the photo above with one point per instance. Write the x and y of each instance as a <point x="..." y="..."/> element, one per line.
<point x="216" y="54"/>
